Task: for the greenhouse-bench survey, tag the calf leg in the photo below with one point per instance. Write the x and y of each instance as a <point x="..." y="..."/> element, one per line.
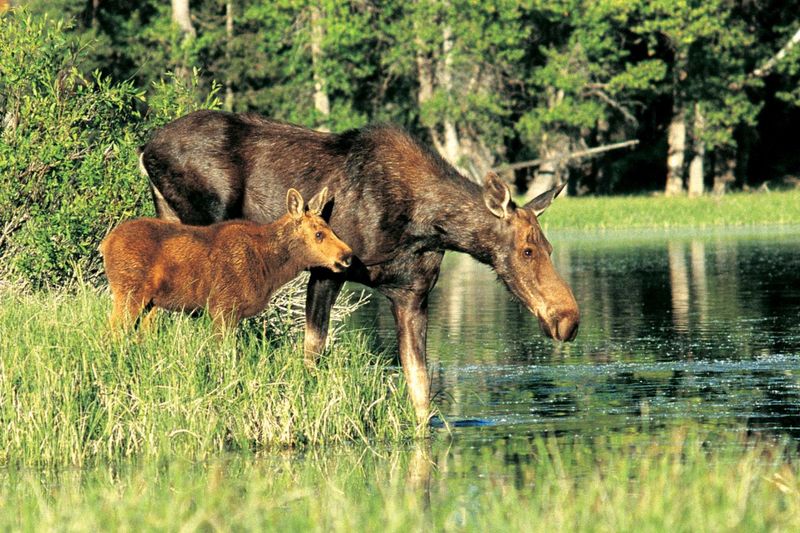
<point x="320" y="297"/>
<point x="126" y="309"/>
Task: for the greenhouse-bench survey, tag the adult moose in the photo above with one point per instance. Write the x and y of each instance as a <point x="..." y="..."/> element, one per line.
<point x="396" y="203"/>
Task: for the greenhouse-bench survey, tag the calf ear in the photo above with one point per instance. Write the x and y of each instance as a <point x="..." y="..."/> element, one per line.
<point x="543" y="201"/>
<point x="294" y="204"/>
<point x="319" y="200"/>
<point x="496" y="195"/>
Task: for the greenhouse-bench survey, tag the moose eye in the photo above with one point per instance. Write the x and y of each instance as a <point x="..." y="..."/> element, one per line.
<point x="318" y="235"/>
<point x="528" y="252"/>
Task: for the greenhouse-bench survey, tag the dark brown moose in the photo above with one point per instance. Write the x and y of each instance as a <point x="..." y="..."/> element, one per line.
<point x="397" y="204"/>
<point x="232" y="268"/>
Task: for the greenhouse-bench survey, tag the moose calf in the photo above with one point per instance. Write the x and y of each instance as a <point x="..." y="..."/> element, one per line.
<point x="231" y="268"/>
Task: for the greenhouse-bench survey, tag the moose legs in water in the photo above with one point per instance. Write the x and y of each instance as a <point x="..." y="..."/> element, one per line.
<point x="320" y="297"/>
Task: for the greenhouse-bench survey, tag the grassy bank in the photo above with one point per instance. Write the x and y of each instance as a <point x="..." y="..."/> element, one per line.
<point x="680" y="484"/>
<point x="737" y="209"/>
<point x="71" y="393"/>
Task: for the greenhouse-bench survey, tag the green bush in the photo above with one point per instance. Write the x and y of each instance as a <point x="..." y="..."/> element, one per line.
<point x="68" y="157"/>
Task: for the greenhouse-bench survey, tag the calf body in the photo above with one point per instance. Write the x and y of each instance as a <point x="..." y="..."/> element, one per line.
<point x="232" y="268"/>
<point x="398" y="205"/>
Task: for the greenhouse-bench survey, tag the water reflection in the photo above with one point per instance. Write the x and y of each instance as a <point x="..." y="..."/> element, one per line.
<point x="701" y="327"/>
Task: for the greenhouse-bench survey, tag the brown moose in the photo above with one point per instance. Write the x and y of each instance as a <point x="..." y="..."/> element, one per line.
<point x="398" y="204"/>
<point x="231" y="268"/>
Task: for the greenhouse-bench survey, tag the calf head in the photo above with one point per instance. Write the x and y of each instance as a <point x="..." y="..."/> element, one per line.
<point x="521" y="257"/>
<point x="321" y="247"/>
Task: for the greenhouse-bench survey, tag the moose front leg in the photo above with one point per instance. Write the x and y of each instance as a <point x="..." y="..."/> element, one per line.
<point x="320" y="297"/>
<point x="411" y="315"/>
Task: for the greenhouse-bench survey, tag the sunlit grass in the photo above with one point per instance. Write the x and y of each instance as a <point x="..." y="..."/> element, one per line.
<point x="680" y="483"/>
<point x="72" y="393"/>
<point x="618" y="212"/>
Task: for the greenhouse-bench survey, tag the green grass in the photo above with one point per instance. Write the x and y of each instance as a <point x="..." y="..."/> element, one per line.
<point x="736" y="209"/>
<point x="678" y="484"/>
<point x="71" y="393"/>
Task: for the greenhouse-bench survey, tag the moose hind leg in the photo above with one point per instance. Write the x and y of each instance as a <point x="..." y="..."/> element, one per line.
<point x="320" y="297"/>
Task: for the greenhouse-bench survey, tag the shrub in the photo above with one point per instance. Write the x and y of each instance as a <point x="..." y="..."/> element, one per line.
<point x="68" y="157"/>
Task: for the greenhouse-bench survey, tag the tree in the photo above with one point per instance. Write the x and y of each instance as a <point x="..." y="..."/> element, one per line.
<point x="464" y="59"/>
<point x="587" y="75"/>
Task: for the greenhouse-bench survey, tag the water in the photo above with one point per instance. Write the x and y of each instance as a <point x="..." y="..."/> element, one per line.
<point x="699" y="329"/>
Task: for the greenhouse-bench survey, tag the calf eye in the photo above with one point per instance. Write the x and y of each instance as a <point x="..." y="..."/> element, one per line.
<point x="318" y="235"/>
<point x="528" y="252"/>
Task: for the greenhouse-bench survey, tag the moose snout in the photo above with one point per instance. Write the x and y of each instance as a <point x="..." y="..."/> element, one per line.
<point x="562" y="327"/>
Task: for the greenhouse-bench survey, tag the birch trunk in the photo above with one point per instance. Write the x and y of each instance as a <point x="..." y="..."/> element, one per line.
<point x="459" y="144"/>
<point x="182" y="17"/>
<point x="676" y="138"/>
<point x="321" y="101"/>
<point x="696" y="174"/>
<point x="451" y="149"/>
<point x="228" y="54"/>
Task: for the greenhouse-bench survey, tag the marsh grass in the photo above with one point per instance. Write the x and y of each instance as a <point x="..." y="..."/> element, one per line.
<point x="71" y="393"/>
<point x="631" y="212"/>
<point x="679" y="483"/>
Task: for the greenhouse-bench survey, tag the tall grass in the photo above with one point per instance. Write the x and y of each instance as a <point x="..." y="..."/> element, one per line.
<point x="72" y="393"/>
<point x="679" y="484"/>
<point x="736" y="209"/>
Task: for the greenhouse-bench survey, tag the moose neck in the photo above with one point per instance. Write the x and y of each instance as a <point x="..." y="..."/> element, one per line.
<point x="280" y="262"/>
<point x="466" y="225"/>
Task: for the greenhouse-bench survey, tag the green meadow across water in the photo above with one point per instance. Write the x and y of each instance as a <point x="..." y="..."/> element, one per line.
<point x="676" y="409"/>
<point x="659" y="212"/>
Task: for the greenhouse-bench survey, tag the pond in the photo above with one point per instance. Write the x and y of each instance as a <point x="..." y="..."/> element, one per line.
<point x="699" y="328"/>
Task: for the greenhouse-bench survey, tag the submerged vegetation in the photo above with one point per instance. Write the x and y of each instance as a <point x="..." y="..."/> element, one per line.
<point x="72" y="393"/>
<point x="684" y="482"/>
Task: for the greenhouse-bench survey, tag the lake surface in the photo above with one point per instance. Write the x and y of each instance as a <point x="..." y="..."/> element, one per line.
<point x="699" y="328"/>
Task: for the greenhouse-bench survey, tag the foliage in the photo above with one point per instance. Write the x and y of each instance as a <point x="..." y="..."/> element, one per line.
<point x="68" y="161"/>
<point x="73" y="393"/>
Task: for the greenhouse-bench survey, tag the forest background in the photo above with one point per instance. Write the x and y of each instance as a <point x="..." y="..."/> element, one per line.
<point x="684" y="97"/>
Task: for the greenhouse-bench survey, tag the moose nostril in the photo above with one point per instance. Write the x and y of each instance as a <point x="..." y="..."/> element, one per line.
<point x="346" y="260"/>
<point x="567" y="329"/>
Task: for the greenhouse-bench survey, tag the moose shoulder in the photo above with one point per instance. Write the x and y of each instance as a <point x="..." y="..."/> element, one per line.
<point x="396" y="203"/>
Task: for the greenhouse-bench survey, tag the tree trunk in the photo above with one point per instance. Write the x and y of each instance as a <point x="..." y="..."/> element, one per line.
<point x="228" y="54"/>
<point x="321" y="101"/>
<point x="183" y="18"/>
<point x="676" y="154"/>
<point x="724" y="172"/>
<point x="552" y="171"/>
<point x="696" y="174"/>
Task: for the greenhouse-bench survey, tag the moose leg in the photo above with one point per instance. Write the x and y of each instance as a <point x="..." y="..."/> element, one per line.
<point x="411" y="315"/>
<point x="320" y="297"/>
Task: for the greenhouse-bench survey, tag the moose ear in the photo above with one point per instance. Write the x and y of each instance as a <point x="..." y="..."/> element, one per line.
<point x="541" y="202"/>
<point x="294" y="204"/>
<point x="496" y="195"/>
<point x="319" y="200"/>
